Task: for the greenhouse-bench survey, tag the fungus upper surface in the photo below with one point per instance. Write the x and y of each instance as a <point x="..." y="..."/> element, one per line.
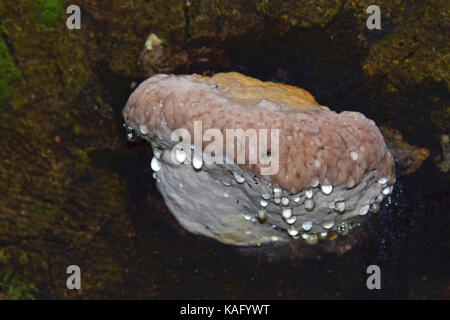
<point x="316" y="145"/>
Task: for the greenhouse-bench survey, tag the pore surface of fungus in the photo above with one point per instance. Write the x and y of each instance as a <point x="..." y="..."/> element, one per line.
<point x="327" y="170"/>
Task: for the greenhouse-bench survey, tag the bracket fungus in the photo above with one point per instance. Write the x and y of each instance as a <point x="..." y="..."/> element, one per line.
<point x="306" y="172"/>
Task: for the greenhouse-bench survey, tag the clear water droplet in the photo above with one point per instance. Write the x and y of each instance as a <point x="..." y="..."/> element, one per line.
<point x="197" y="162"/>
<point x="312" y="239"/>
<point x="364" y="209"/>
<point x="180" y="155"/>
<point x="238" y="177"/>
<point x="380" y="198"/>
<point x="292" y="231"/>
<point x="277" y="192"/>
<point x="354" y="155"/>
<point x="155" y="164"/>
<point x="326" y="189"/>
<point x="343" y="229"/>
<point x="323" y="235"/>
<point x="286" y="213"/>
<point x="265" y="196"/>
<point x="309" y="204"/>
<point x="143" y="129"/>
<point x="375" y="207"/>
<point x="339" y="206"/>
<point x="291" y="220"/>
<point x="328" y="225"/>
<point x="247" y="216"/>
<point x="307" y="225"/>
<point x="157" y="152"/>
<point x="262" y="215"/>
<point x="132" y="134"/>
<point x="382" y="181"/>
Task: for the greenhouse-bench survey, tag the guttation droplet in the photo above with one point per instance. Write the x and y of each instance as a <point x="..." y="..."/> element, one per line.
<point x="291" y="220"/>
<point x="375" y="208"/>
<point x="309" y="204"/>
<point x="286" y="213"/>
<point x="328" y="225"/>
<point x="132" y="135"/>
<point x="155" y="164"/>
<point x="143" y="129"/>
<point x="265" y="196"/>
<point x="307" y="225"/>
<point x="238" y="177"/>
<point x="323" y="235"/>
<point x="180" y="155"/>
<point x="262" y="215"/>
<point x="339" y="206"/>
<point x="312" y="239"/>
<point x="292" y="231"/>
<point x="386" y="191"/>
<point x="327" y="189"/>
<point x="343" y="229"/>
<point x="364" y="209"/>
<point x="157" y="152"/>
<point x="197" y="162"/>
<point x="277" y="192"/>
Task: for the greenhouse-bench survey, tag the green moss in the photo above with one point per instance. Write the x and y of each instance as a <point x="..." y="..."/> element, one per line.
<point x="50" y="11"/>
<point x="42" y="207"/>
<point x="8" y="70"/>
<point x="416" y="49"/>
<point x="13" y="287"/>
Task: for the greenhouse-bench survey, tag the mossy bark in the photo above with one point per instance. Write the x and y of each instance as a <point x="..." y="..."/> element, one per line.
<point x="62" y="91"/>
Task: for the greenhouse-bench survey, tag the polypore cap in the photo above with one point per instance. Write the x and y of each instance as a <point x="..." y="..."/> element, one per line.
<point x="316" y="145"/>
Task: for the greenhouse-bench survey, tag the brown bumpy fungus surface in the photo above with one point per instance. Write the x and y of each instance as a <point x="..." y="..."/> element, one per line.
<point x="317" y="145"/>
